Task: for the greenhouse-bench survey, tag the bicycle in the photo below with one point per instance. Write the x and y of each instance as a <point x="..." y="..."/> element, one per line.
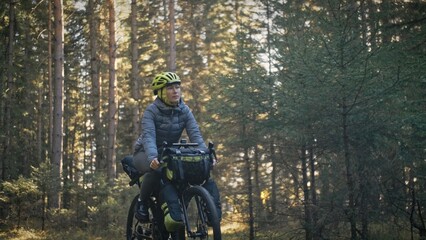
<point x="180" y="162"/>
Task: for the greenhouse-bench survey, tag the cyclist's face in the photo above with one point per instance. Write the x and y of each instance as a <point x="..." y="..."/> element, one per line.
<point x="173" y="93"/>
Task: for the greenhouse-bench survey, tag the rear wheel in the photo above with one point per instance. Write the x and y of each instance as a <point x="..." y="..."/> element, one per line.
<point x="154" y="229"/>
<point x="202" y="218"/>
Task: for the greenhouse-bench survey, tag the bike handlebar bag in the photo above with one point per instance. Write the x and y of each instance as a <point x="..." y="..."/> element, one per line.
<point x="187" y="165"/>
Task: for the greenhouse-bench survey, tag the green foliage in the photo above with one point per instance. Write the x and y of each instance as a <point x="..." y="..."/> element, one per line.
<point x="16" y="194"/>
<point x="16" y="191"/>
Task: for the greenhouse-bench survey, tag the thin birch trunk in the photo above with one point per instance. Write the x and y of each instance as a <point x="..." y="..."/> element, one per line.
<point x="172" y="60"/>
<point x="135" y="69"/>
<point x="112" y="107"/>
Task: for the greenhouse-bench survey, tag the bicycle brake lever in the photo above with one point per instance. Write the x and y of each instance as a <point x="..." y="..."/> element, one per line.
<point x="163" y="146"/>
<point x="212" y="150"/>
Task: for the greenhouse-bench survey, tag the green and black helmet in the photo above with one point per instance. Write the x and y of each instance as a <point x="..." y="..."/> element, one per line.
<point x="163" y="79"/>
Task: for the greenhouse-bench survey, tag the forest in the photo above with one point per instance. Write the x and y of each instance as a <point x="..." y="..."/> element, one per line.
<point x="317" y="110"/>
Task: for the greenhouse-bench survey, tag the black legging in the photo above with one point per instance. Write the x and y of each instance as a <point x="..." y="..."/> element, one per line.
<point x="150" y="183"/>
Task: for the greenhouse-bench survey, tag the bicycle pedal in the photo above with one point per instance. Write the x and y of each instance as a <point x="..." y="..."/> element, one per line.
<point x="140" y="230"/>
<point x="147" y="231"/>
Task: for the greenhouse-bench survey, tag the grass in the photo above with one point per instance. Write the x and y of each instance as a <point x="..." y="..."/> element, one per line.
<point x="22" y="234"/>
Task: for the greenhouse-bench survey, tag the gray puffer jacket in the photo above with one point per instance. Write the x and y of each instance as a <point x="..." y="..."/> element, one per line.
<point x="165" y="123"/>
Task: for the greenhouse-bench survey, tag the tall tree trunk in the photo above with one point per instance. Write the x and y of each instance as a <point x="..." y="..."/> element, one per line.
<point x="314" y="206"/>
<point x="50" y="78"/>
<point x="349" y="171"/>
<point x="55" y="197"/>
<point x="30" y="158"/>
<point x="67" y="146"/>
<point x="112" y="107"/>
<point x="306" y="197"/>
<point x="6" y="120"/>
<point x="249" y="194"/>
<point x="249" y="186"/>
<point x="40" y="124"/>
<point x="45" y="194"/>
<point x="43" y="210"/>
<point x="268" y="36"/>
<point x="257" y="189"/>
<point x="87" y="158"/>
<point x="272" y="111"/>
<point x="273" y="178"/>
<point x="172" y="59"/>
<point x="364" y="198"/>
<point x="195" y="86"/>
<point x="416" y="215"/>
<point x="363" y="169"/>
<point x="96" y="86"/>
<point x="135" y="70"/>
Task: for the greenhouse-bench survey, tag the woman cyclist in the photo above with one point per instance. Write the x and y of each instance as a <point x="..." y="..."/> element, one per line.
<point x="165" y="120"/>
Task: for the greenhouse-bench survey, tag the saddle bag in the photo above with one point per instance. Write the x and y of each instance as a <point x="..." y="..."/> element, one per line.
<point x="130" y="169"/>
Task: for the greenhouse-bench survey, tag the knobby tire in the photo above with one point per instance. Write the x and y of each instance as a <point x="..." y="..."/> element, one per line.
<point x="206" y="206"/>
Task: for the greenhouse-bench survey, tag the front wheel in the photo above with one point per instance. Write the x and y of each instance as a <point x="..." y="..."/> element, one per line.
<point x="202" y="221"/>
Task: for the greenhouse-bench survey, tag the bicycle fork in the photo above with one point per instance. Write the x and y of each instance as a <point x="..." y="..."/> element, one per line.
<point x="201" y="230"/>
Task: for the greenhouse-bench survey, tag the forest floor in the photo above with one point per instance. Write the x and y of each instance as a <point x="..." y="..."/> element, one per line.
<point x="30" y="234"/>
<point x="230" y="232"/>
